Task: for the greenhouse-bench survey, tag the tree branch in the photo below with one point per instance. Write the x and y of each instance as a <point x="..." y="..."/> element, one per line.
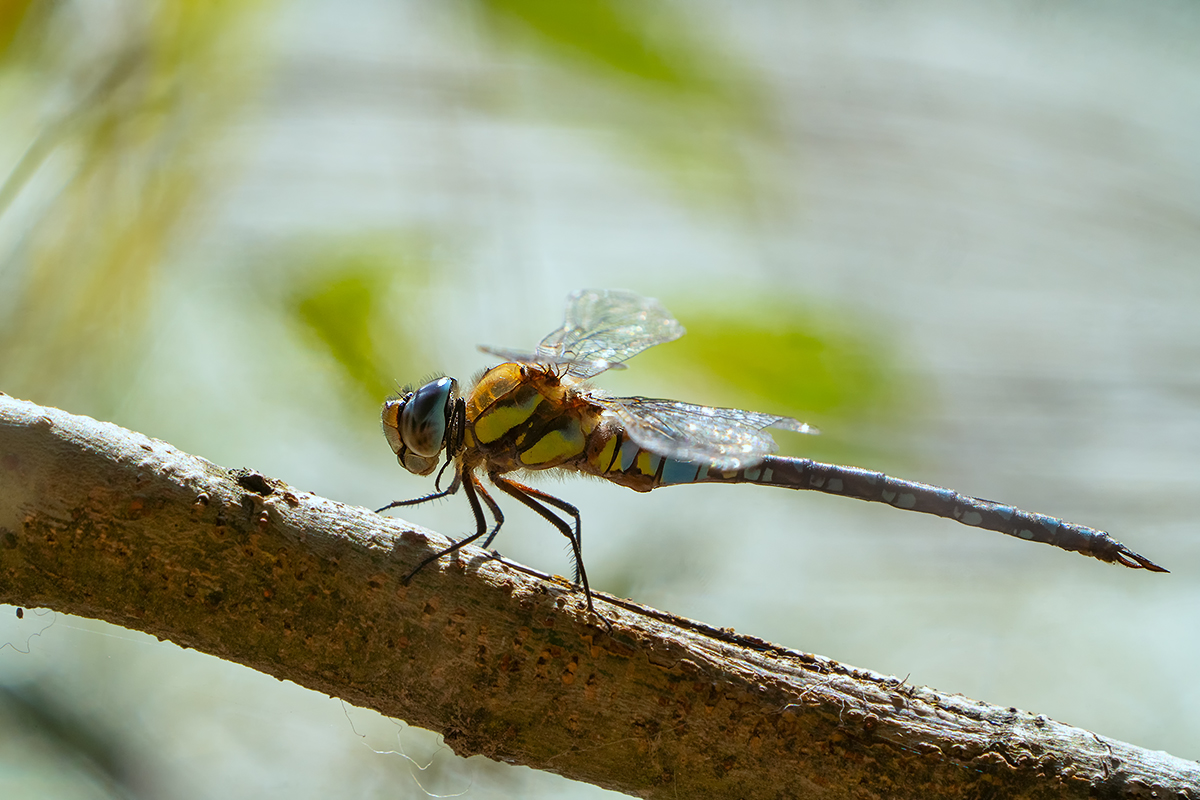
<point x="102" y="522"/>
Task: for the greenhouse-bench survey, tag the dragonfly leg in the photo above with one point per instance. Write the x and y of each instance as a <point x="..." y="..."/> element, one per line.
<point x="497" y="515"/>
<point x="530" y="497"/>
<point x="449" y="490"/>
<point x="437" y="482"/>
<point x="470" y="485"/>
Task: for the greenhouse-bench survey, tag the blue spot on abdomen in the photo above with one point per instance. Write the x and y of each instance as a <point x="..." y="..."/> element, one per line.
<point x="679" y="471"/>
<point x="629" y="452"/>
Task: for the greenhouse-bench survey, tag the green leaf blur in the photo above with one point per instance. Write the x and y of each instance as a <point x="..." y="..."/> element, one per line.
<point x="12" y="14"/>
<point x="109" y="176"/>
<point x="682" y="106"/>
<point x="339" y="314"/>
<point x="612" y="36"/>
<point x="817" y="365"/>
<point x="342" y="305"/>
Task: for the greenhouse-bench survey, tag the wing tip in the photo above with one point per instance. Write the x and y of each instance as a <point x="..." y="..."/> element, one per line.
<point x="795" y="425"/>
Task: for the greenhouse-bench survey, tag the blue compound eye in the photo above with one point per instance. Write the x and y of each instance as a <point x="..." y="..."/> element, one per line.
<point x="424" y="417"/>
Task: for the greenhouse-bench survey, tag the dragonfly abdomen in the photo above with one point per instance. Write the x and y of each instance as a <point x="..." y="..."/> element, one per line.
<point x="612" y="455"/>
<point x="876" y="487"/>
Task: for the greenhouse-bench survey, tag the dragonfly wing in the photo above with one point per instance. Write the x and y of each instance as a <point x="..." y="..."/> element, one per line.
<point x="726" y="438"/>
<point x="604" y="327"/>
<point x="524" y="357"/>
<point x="519" y="356"/>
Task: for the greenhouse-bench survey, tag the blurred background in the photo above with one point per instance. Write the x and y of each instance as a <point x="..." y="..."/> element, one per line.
<point x="962" y="240"/>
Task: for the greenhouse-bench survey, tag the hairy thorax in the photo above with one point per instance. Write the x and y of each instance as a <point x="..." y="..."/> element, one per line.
<point x="524" y="417"/>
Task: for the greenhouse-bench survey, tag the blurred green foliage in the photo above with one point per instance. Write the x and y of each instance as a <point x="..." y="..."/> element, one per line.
<point x="789" y="357"/>
<point x="31" y="714"/>
<point x="339" y="312"/>
<point x="351" y="299"/>
<point x="819" y="365"/>
<point x="681" y="104"/>
<point x="12" y="14"/>
<point x="616" y="36"/>
<point x="118" y="127"/>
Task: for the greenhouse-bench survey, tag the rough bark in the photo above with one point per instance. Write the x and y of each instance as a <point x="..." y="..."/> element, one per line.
<point x="103" y="522"/>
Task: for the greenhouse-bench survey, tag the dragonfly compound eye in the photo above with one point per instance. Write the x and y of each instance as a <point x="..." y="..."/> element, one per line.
<point x="391" y="422"/>
<point x="424" y="417"/>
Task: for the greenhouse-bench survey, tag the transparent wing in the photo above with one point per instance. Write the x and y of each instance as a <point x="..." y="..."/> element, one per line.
<point x="603" y="327"/>
<point x="726" y="438"/>
<point x="525" y="357"/>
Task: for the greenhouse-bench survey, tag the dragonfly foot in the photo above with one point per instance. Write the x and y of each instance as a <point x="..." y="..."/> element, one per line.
<point x="591" y="609"/>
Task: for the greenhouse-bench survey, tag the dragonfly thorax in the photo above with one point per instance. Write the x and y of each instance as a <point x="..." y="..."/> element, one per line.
<point x="422" y="423"/>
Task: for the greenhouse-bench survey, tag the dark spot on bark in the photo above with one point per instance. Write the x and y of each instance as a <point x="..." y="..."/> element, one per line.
<point x="8" y="539"/>
<point x="253" y="481"/>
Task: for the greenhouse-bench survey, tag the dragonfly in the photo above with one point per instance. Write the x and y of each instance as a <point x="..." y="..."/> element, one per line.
<point x="536" y="411"/>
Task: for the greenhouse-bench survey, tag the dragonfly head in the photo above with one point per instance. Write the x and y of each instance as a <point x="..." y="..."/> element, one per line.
<point x="417" y="424"/>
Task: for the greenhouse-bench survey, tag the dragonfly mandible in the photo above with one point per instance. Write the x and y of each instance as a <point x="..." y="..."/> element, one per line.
<point x="535" y="411"/>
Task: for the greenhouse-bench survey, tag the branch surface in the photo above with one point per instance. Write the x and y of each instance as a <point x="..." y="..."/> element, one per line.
<point x="102" y="522"/>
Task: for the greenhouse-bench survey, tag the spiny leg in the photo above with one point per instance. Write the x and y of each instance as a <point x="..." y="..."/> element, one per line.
<point x="469" y="488"/>
<point x="449" y="490"/>
<point x="530" y="497"/>
<point x="437" y="482"/>
<point x="497" y="515"/>
<point x="561" y="505"/>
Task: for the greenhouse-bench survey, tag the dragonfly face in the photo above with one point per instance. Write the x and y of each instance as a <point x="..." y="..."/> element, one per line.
<point x="417" y="425"/>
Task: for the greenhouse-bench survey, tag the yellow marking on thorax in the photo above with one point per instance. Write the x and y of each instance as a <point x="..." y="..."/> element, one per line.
<point x="503" y="399"/>
<point x="555" y="447"/>
<point x="506" y="415"/>
<point x="495" y="384"/>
